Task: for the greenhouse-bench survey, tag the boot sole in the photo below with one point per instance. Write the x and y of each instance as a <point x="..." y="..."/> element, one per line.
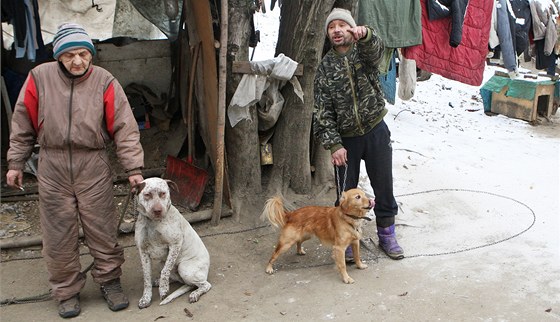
<point x="392" y="256"/>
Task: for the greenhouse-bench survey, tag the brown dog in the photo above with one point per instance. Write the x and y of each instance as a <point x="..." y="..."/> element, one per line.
<point x="337" y="226"/>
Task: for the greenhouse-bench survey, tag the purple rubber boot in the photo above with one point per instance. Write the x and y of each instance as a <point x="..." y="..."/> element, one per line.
<point x="388" y="242"/>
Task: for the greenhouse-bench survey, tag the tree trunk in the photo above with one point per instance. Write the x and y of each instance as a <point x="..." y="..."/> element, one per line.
<point x="300" y="163"/>
<point x="301" y="37"/>
<point x="242" y="143"/>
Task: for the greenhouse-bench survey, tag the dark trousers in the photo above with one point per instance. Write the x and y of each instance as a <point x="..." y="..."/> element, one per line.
<point x="375" y="149"/>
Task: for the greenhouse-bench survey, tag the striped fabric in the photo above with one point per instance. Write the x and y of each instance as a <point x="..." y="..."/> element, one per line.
<point x="71" y="36"/>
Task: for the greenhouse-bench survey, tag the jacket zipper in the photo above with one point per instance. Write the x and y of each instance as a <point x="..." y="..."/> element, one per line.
<point x="354" y="95"/>
<point x="68" y="135"/>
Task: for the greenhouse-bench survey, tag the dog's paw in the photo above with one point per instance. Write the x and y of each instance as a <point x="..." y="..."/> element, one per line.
<point x="269" y="270"/>
<point x="301" y="252"/>
<point x="348" y="280"/>
<point x="194" y="297"/>
<point x="144" y="302"/>
<point x="361" y="265"/>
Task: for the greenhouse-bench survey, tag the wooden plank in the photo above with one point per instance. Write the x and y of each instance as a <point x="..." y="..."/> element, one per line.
<point x="244" y="67"/>
<point x="143" y="62"/>
<point x="512" y="106"/>
<point x="199" y="20"/>
<point x="7" y="105"/>
<point x="220" y="160"/>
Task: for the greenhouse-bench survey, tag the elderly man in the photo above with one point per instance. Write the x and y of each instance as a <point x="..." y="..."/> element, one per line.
<point x="348" y="118"/>
<point x="73" y="110"/>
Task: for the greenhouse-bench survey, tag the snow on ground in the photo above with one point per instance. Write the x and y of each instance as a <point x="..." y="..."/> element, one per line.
<point x="465" y="180"/>
<point x="443" y="140"/>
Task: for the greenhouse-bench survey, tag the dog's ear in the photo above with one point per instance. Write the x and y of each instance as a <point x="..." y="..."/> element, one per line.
<point x="343" y="196"/>
<point x="139" y="187"/>
<point x="172" y="185"/>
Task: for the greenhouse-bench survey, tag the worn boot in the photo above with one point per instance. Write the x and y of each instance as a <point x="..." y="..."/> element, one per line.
<point x="69" y="308"/>
<point x="388" y="242"/>
<point x="114" y="295"/>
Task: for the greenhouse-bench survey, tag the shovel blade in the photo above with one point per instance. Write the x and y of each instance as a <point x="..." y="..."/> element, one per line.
<point x="190" y="179"/>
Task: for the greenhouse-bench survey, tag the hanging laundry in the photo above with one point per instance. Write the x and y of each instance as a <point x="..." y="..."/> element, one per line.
<point x="23" y="15"/>
<point x="396" y="21"/>
<point x="544" y="14"/>
<point x="388" y="81"/>
<point x="545" y="34"/>
<point x="464" y="63"/>
<point x="506" y="31"/>
<point x="522" y="16"/>
<point x="438" y="9"/>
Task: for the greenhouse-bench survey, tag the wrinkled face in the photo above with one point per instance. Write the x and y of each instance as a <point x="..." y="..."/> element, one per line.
<point x="339" y="34"/>
<point x="76" y="61"/>
<point x="355" y="202"/>
<point x="154" y="198"/>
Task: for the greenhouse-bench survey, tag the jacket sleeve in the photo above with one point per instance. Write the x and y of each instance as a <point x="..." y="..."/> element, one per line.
<point x="24" y="125"/>
<point x="438" y="9"/>
<point x="324" y="116"/>
<point x="370" y="49"/>
<point x="122" y="126"/>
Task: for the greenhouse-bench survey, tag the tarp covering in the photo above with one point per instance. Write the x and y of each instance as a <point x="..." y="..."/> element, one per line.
<point x="164" y="14"/>
<point x="104" y="19"/>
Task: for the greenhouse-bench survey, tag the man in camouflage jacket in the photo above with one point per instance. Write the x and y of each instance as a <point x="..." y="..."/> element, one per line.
<point x="348" y="118"/>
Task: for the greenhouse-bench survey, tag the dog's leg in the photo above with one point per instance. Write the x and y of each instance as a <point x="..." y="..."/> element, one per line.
<point x="166" y="271"/>
<point x="202" y="288"/>
<point x="338" y="256"/>
<point x="194" y="276"/>
<point x="300" y="250"/>
<point x="280" y="249"/>
<point x="356" y="251"/>
<point x="146" y="299"/>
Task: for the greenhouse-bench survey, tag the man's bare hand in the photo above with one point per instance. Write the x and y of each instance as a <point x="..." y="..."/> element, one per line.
<point x="14" y="179"/>
<point x="339" y="157"/>
<point x="358" y="32"/>
<point x="135" y="180"/>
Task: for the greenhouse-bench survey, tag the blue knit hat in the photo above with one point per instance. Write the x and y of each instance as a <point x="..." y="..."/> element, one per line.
<point x="71" y="36"/>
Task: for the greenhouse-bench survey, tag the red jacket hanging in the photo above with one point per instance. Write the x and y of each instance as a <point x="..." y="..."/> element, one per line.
<point x="464" y="63"/>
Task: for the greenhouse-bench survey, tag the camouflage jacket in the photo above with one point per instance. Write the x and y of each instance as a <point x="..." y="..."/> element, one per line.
<point x="348" y="99"/>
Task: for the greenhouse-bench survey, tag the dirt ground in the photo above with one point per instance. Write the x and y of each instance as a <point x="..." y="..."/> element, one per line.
<point x="434" y="283"/>
<point x="470" y="255"/>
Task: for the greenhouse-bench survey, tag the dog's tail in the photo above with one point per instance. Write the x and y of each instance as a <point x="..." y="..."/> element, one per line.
<point x="274" y="211"/>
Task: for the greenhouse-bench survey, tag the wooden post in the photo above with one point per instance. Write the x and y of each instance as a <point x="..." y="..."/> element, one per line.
<point x="7" y="105"/>
<point x="220" y="155"/>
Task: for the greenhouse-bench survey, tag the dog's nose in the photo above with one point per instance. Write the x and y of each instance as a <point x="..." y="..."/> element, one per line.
<point x="157" y="213"/>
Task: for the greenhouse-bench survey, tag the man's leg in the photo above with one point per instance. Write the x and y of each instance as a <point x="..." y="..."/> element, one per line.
<point x="379" y="166"/>
<point x="348" y="177"/>
<point x="59" y="224"/>
<point x="94" y="190"/>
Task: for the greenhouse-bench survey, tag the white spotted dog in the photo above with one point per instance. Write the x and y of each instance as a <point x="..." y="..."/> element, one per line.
<point x="164" y="236"/>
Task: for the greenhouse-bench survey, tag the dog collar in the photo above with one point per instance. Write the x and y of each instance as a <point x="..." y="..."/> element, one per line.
<point x="356" y="217"/>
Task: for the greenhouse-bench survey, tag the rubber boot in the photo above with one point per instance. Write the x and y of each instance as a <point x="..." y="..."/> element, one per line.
<point x="388" y="242"/>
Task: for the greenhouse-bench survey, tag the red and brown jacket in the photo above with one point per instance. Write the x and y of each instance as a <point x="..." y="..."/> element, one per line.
<point x="83" y="113"/>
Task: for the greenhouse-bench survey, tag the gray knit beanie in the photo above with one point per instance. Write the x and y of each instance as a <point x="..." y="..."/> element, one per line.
<point x="340" y="14"/>
<point x="71" y="36"/>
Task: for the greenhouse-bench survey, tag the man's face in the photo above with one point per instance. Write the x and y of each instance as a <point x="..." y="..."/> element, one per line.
<point x="76" y="61"/>
<point x="339" y="33"/>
